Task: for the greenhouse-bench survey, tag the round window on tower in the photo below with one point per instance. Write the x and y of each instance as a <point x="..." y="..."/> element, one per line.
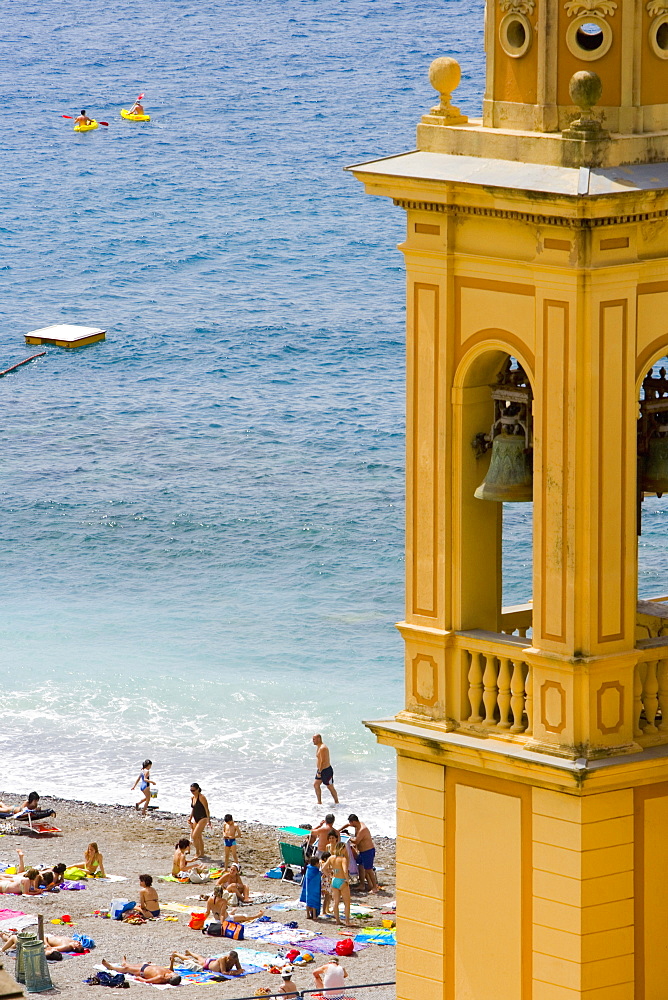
<point x="588" y="38"/>
<point x="658" y="37"/>
<point x="515" y="35"/>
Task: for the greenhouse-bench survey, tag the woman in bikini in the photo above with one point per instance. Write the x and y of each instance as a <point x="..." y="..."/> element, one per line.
<point x="337" y="867"/>
<point x="144" y="782"/>
<point x="198" y="819"/>
<point x="217" y="908"/>
<point x="180" y="861"/>
<point x="149" y="904"/>
<point x="232" y="881"/>
<point x="227" y="965"/>
<point x="93" y="861"/>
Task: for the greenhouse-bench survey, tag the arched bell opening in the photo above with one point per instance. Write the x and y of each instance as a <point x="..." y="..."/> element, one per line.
<point x="493" y="503"/>
<point x="653" y="502"/>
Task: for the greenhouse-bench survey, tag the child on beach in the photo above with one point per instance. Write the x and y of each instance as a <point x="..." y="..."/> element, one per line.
<point x="144" y="782"/>
<point x="230" y="833"/>
<point x="287" y="987"/>
<point x="149" y="904"/>
<point x="311" y="887"/>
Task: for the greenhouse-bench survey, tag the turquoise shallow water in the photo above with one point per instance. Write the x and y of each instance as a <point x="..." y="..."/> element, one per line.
<point x="202" y="518"/>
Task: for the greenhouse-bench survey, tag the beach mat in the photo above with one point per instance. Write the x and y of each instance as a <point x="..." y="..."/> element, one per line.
<point x="327" y="946"/>
<point x="15" y="920"/>
<point x="376" y="935"/>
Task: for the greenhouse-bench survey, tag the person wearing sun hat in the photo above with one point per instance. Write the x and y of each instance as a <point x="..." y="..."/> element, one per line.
<point x="287" y="987"/>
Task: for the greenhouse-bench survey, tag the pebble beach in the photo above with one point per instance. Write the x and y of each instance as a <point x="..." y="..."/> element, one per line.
<point x="133" y="845"/>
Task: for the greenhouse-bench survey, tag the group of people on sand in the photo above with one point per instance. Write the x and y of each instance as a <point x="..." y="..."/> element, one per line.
<point x="35" y="881"/>
<point x="332" y="861"/>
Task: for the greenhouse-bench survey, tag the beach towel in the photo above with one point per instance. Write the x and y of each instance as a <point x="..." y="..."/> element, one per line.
<point x="15" y="920"/>
<point x="288" y="904"/>
<point x="182" y="908"/>
<point x="327" y="946"/>
<point x="311" y="888"/>
<point x="275" y="933"/>
<point x="251" y="957"/>
<point x="376" y="935"/>
<point x="202" y="976"/>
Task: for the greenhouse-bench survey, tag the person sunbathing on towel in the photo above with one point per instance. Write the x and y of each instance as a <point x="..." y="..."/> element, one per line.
<point x="58" y="873"/>
<point x="232" y="881"/>
<point x="54" y="944"/>
<point x="93" y="861"/>
<point x="24" y="882"/>
<point x="227" y="965"/>
<point x="31" y="808"/>
<point x="148" y="972"/>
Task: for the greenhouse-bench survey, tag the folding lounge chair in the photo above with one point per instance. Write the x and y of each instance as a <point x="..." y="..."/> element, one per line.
<point x="292" y="856"/>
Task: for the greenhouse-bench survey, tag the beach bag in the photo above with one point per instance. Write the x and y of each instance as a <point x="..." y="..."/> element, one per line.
<point x="119" y="907"/>
<point x="231" y="929"/>
<point x="345" y="947"/>
<point x="214" y="929"/>
<point x="196" y="921"/>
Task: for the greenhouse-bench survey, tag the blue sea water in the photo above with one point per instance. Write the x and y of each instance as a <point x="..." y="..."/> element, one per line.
<point x="202" y="518"/>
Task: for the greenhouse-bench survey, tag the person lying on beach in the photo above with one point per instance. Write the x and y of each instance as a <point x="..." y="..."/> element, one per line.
<point x="228" y="965"/>
<point x="180" y="862"/>
<point x="148" y="972"/>
<point x="93" y="862"/>
<point x="218" y="908"/>
<point x="232" y="881"/>
<point x="24" y="882"/>
<point x="31" y="808"/>
<point x="53" y="944"/>
<point x="149" y="904"/>
<point x="58" y="872"/>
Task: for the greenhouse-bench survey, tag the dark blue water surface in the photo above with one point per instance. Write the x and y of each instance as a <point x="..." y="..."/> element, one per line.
<point x="202" y="518"/>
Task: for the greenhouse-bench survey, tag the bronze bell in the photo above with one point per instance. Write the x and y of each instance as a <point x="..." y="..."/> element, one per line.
<point x="655" y="472"/>
<point x="510" y="475"/>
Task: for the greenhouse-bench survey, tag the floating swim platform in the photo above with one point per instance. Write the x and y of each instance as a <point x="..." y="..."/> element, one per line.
<point x="66" y="335"/>
<point x="134" y="118"/>
<point x="86" y="128"/>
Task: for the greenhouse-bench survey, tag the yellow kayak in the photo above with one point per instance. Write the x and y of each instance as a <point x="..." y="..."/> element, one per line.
<point x="86" y="128"/>
<point x="134" y="118"/>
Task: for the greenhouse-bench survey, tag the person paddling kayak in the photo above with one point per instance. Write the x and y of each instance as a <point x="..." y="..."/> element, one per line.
<point x="83" y="119"/>
<point x="137" y="108"/>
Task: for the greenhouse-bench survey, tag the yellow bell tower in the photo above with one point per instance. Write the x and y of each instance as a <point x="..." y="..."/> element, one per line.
<point x="533" y="747"/>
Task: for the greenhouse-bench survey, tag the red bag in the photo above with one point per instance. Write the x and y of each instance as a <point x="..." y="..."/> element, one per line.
<point x="345" y="947"/>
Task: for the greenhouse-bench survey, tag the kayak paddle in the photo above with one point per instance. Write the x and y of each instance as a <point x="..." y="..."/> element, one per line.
<point x="72" y="116"/>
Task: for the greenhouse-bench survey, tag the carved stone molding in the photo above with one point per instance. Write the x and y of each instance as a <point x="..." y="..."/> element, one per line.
<point x="459" y="210"/>
<point x="590" y="8"/>
<point x="525" y="7"/>
<point x="657" y="8"/>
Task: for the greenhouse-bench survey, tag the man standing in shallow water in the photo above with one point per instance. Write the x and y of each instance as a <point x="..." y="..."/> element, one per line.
<point x="324" y="770"/>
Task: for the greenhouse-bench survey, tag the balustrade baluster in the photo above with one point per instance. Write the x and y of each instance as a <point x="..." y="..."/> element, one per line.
<point x="637" y="697"/>
<point x="522" y="632"/>
<point x="475" y="687"/>
<point x="528" y="702"/>
<point x="490" y="693"/>
<point x="504" y="692"/>
<point x="662" y="677"/>
<point x="650" y="700"/>
<point x="517" y="700"/>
